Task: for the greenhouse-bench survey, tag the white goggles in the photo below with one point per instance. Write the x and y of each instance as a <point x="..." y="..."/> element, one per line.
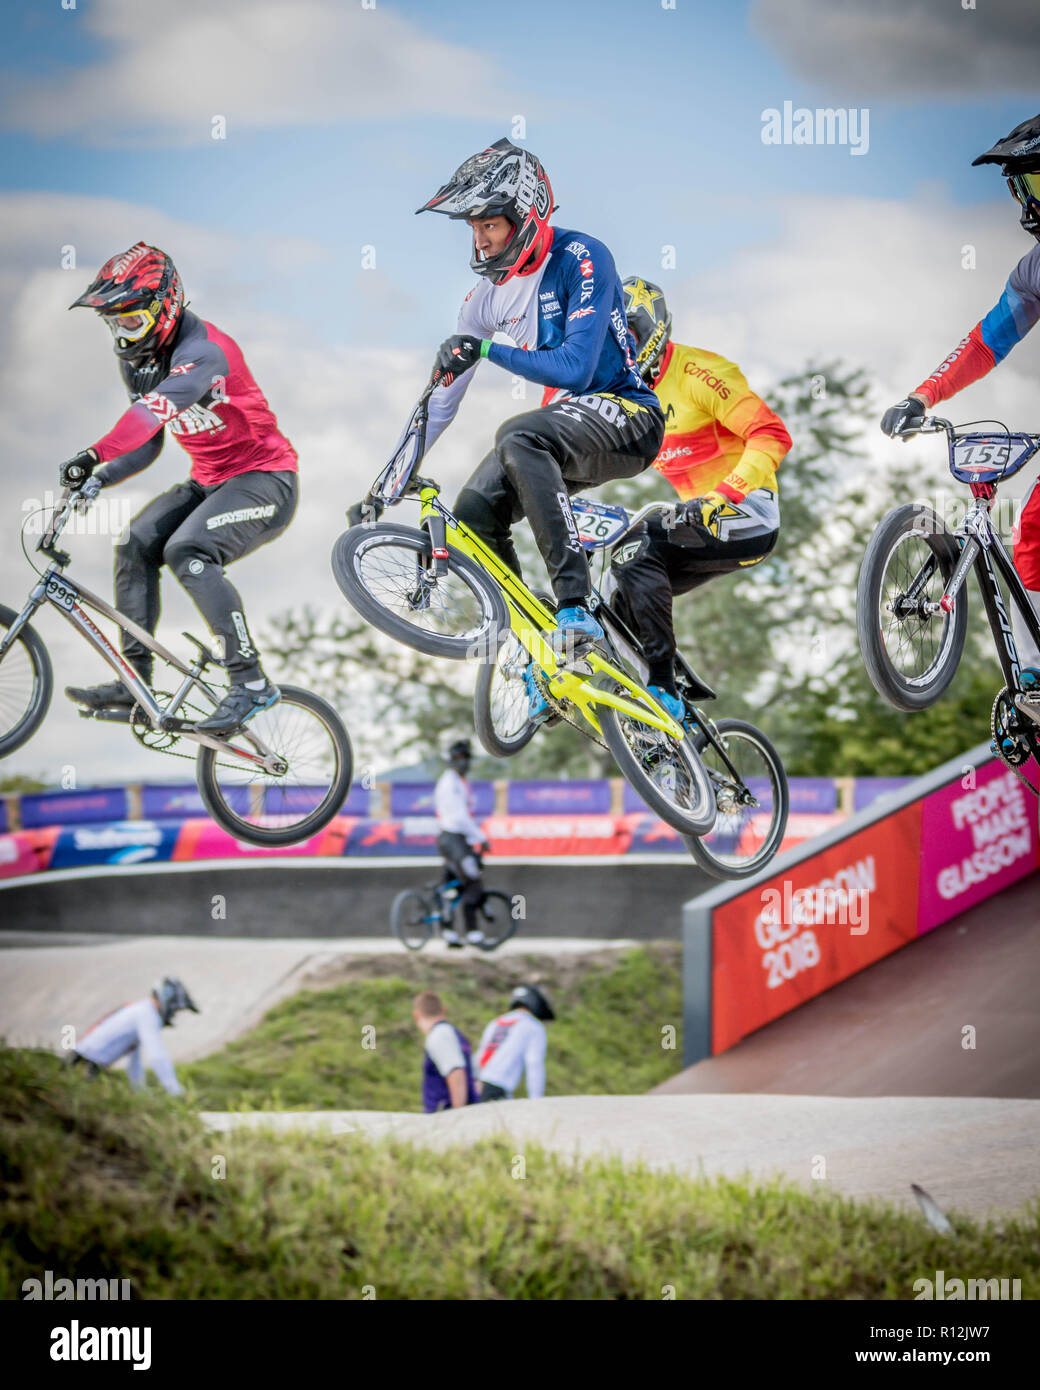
<point x="130" y="327"/>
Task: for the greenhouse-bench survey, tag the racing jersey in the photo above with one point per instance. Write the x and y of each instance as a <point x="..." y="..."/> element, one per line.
<point x="453" y="806"/>
<point x="512" y="1044"/>
<point x="213" y="408"/>
<point x="719" y="436"/>
<point x="567" y="321"/>
<point x="993" y="337"/>
<point x="135" y="1029"/>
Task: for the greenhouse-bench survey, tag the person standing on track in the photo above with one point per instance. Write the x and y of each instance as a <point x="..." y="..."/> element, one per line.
<point x="182" y="372"/>
<point x="447" y="1068"/>
<point x="513" y="1046"/>
<point x="988" y="343"/>
<point x="556" y="296"/>
<point x="460" y="839"/>
<point x="135" y="1031"/>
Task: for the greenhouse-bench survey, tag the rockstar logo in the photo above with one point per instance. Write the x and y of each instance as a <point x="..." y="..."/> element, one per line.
<point x="640" y="297"/>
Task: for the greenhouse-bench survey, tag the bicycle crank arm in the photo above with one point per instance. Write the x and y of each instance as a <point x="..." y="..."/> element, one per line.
<point x="1026" y="706"/>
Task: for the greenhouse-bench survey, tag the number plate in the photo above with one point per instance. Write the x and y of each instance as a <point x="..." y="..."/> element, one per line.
<point x="598" y="525"/>
<point x="58" y="592"/>
<point x="983" y="458"/>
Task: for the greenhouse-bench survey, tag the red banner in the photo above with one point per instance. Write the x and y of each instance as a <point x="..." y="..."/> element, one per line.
<point x="824" y="919"/>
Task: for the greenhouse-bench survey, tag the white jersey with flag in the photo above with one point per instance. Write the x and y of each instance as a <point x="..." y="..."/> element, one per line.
<point x="511" y="1046"/>
<point x="134" y="1030"/>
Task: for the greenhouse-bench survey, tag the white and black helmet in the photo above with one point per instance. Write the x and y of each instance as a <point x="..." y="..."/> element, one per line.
<point x="171" y="996"/>
<point x="501" y="181"/>
<point x="531" y="998"/>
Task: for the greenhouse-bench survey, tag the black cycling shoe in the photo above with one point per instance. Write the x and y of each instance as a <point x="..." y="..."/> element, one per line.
<point x="238" y="706"/>
<point x="113" y="695"/>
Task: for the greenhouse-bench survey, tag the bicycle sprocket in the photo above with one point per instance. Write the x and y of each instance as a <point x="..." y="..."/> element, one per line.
<point x="1013" y="742"/>
<point x="159" y="740"/>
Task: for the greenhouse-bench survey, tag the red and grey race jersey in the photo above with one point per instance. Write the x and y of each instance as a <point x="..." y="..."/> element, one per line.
<point x="211" y="404"/>
<point x="990" y="341"/>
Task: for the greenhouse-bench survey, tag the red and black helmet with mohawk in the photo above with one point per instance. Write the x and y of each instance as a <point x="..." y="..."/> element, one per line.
<point x="142" y="281"/>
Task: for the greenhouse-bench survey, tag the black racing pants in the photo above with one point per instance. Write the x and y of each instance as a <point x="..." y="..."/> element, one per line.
<point x="539" y="461"/>
<point x="196" y="531"/>
<point x="462" y="862"/>
<point x="654" y="563"/>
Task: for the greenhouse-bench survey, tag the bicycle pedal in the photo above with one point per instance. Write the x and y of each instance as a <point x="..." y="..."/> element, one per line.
<point x="108" y="716"/>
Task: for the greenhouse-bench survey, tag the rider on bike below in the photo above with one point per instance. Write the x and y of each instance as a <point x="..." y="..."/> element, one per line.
<point x="183" y="372"/>
<point x="988" y="343"/>
<point x="722" y="446"/>
<point x="460" y="839"/>
<point x="556" y="296"/>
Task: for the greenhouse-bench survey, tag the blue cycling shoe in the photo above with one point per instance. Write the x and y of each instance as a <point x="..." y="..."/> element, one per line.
<point x="671" y="703"/>
<point x="576" y="630"/>
<point x="1030" y="678"/>
<point x="537" y="704"/>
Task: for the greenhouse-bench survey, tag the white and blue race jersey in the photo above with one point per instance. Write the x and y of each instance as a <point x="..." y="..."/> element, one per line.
<point x="566" y="321"/>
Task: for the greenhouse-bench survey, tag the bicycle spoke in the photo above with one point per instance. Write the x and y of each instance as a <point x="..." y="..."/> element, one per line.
<point x="395" y="579"/>
<point x="914" y="640"/>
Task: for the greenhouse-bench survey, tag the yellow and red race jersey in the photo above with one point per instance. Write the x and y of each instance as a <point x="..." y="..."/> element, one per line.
<point x="719" y="436"/>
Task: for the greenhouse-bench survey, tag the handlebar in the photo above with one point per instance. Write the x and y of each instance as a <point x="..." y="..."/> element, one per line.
<point x="930" y="424"/>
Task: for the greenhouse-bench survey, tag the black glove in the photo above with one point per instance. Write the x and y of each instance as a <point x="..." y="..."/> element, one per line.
<point x="898" y="417"/>
<point x="77" y="469"/>
<point x="366" y="512"/>
<point x="455" y="356"/>
<point x="88" y="492"/>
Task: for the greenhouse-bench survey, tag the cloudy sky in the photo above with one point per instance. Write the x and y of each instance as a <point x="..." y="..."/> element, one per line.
<point x="338" y="120"/>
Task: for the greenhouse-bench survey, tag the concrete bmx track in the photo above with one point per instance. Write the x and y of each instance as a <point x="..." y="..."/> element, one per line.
<point x="871" y="1079"/>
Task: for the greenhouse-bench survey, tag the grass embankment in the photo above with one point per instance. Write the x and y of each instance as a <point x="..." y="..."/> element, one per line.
<point x="310" y="1052"/>
<point x="96" y="1182"/>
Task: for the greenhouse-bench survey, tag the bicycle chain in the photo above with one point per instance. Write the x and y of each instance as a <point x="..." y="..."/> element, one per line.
<point x="142" y="730"/>
<point x="1005" y="710"/>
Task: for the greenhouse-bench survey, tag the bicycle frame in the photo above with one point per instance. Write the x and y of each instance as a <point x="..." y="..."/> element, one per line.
<point x="67" y="597"/>
<point x="529" y="618"/>
<point x="982" y="547"/>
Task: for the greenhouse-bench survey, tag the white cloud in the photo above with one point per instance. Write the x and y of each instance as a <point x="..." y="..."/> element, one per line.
<point x="258" y="63"/>
<point x="907" y="48"/>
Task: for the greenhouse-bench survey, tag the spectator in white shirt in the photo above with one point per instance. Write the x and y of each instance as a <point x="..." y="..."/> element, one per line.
<point x="514" y="1045"/>
<point x="460" y="839"/>
<point x="135" y="1031"/>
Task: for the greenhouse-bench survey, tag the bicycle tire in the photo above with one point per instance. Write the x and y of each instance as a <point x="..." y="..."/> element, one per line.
<point x="479" y="639"/>
<point x="42" y="690"/>
<point x="412" y="932"/>
<point x="901" y="692"/>
<point x="221" y="810"/>
<point x="697" y="819"/>
<point x="492" y="720"/>
<point x="712" y="859"/>
<point x="496" y="895"/>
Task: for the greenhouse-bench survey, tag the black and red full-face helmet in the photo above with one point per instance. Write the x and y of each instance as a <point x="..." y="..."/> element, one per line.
<point x="1018" y="155"/>
<point x="140" y="296"/>
<point x="649" y="322"/>
<point x="502" y="181"/>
